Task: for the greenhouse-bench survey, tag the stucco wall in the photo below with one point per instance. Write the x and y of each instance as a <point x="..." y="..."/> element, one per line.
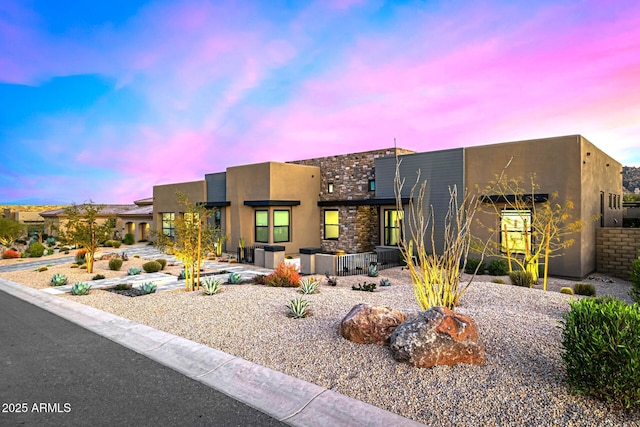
<point x="616" y="249"/>
<point x="165" y="198"/>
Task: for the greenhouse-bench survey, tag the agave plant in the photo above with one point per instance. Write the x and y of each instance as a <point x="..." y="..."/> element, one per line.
<point x="234" y="278"/>
<point x="211" y="286"/>
<point x="134" y="271"/>
<point x="81" y="288"/>
<point x="182" y="275"/>
<point x="298" y="308"/>
<point x="308" y="285"/>
<point x="58" y="280"/>
<point x="373" y="270"/>
<point x="148" y="287"/>
<point x="385" y="282"/>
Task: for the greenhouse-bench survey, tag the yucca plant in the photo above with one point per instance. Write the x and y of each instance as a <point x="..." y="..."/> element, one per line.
<point x="133" y="271"/>
<point x="58" y="280"/>
<point x="148" y="287"/>
<point x="211" y="286"/>
<point x="81" y="288"/>
<point x="298" y="308"/>
<point x="234" y="278"/>
<point x="308" y="285"/>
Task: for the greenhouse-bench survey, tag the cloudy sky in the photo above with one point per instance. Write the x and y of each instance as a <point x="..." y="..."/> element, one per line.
<point x="102" y="100"/>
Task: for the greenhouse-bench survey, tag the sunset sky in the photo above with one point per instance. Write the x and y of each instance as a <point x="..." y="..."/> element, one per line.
<point x="103" y="100"/>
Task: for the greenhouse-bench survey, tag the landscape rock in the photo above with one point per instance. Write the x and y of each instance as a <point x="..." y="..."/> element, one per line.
<point x="370" y="324"/>
<point x="437" y="336"/>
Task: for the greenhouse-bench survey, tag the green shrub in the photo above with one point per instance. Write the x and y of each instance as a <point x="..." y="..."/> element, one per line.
<point x="36" y="249"/>
<point x="133" y="271"/>
<point x="521" y="278"/>
<point x="98" y="277"/>
<point x="122" y="287"/>
<point x="162" y="262"/>
<point x="50" y="251"/>
<point x="298" y="308"/>
<point x="81" y="288"/>
<point x="367" y="287"/>
<point x="108" y="244"/>
<point x="602" y="349"/>
<point x="58" y="280"/>
<point x="128" y="239"/>
<point x="473" y="264"/>
<point x="566" y="290"/>
<point x="152" y="266"/>
<point x="634" y="278"/>
<point x="498" y="281"/>
<point x="51" y="241"/>
<point x="259" y="279"/>
<point x="64" y="249"/>
<point x="116" y="243"/>
<point x="115" y="264"/>
<point x="586" y="289"/>
<point x="497" y="267"/>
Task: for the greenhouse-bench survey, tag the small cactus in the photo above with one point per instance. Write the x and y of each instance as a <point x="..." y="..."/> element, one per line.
<point x="566" y="290"/>
<point x="385" y="282"/>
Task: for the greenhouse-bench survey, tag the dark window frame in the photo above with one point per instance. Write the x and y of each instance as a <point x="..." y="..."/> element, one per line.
<point x="168" y="224"/>
<point x="336" y="225"/>
<point x="260" y="227"/>
<point x="280" y="227"/>
<point x="390" y="230"/>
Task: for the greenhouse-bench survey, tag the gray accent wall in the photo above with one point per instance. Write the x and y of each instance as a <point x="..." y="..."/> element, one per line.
<point x="216" y="187"/>
<point x="441" y="170"/>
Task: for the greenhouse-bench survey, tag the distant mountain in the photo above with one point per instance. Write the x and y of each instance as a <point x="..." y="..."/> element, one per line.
<point x="630" y="178"/>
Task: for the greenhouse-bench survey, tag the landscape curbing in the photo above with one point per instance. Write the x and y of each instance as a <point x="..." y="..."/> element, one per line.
<point x="285" y="398"/>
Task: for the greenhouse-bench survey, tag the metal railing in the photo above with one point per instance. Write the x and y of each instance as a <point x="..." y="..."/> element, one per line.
<point x="247" y="255"/>
<point x="355" y="264"/>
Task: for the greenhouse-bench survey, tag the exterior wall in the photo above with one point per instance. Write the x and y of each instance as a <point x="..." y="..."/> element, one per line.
<point x="165" y="200"/>
<point x="140" y="227"/>
<point x="271" y="182"/>
<point x="350" y="175"/>
<point x="617" y="248"/>
<point x="557" y="165"/>
<point x="440" y="170"/>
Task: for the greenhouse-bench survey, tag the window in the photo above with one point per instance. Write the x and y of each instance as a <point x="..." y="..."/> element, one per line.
<point x="392" y="226"/>
<point x="217" y="218"/>
<point x="330" y="188"/>
<point x="168" y="226"/>
<point x="610" y="201"/>
<point x="331" y="225"/>
<point x="372" y="185"/>
<point x="262" y="226"/>
<point x="280" y="226"/>
<point x="515" y="230"/>
<point x="190" y="218"/>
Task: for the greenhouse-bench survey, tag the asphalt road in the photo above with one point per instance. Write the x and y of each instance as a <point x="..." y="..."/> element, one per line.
<point x="54" y="372"/>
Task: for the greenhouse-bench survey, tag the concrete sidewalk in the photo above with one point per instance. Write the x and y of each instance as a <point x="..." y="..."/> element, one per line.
<point x="283" y="398"/>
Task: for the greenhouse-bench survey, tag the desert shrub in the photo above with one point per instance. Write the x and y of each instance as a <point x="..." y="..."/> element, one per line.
<point x="123" y="286"/>
<point x="152" y="266"/>
<point x="128" y="239"/>
<point x="586" y="289"/>
<point x="108" y="244"/>
<point x="473" y="264"/>
<point x="259" y="279"/>
<point x="98" y="277"/>
<point x="83" y="266"/>
<point x="284" y="276"/>
<point x="116" y="243"/>
<point x="602" y="349"/>
<point x="41" y="269"/>
<point x="50" y="251"/>
<point x="64" y="249"/>
<point x="497" y="267"/>
<point x="115" y="264"/>
<point x="81" y="255"/>
<point x="634" y="278"/>
<point x="521" y="278"/>
<point x="36" y="249"/>
<point x="366" y="287"/>
<point x="10" y="254"/>
<point x="498" y="281"/>
<point x="162" y="262"/>
<point x="51" y="241"/>
<point x="566" y="290"/>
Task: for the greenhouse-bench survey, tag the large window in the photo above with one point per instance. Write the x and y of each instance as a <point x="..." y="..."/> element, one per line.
<point x="392" y="226"/>
<point x="281" y="226"/>
<point x="515" y="226"/>
<point x="331" y="225"/>
<point x="262" y="226"/>
<point x="168" y="226"/>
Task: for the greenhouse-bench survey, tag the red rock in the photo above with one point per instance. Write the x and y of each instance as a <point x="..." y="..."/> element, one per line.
<point x="368" y="324"/>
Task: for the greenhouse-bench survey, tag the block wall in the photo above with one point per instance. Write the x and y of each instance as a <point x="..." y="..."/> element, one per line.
<point x="616" y="248"/>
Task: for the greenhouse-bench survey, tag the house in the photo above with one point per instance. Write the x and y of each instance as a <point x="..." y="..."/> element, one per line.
<point x="347" y="202"/>
<point x="136" y="218"/>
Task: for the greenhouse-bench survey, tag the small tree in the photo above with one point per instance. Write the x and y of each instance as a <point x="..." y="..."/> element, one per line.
<point x="435" y="275"/>
<point x="10" y="231"/>
<point x="540" y="228"/>
<point x="82" y="229"/>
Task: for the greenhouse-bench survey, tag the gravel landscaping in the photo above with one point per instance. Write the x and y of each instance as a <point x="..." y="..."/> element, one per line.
<point x="521" y="383"/>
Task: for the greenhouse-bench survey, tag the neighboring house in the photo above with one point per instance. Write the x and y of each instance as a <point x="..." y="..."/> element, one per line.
<point x="136" y="218"/>
<point x="28" y="215"/>
<point x="347" y="202"/>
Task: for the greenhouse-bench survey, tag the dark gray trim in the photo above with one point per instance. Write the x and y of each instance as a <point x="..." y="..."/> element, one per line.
<point x="274" y="248"/>
<point x="511" y="198"/>
<point x="215" y="204"/>
<point x="263" y="203"/>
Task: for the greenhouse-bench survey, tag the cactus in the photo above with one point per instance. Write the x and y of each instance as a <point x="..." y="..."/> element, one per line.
<point x="234" y="278"/>
<point x="211" y="286"/>
<point x="148" y="287"/>
<point x="58" y="280"/>
<point x="566" y="290"/>
<point x="81" y="288"/>
<point x="298" y="308"/>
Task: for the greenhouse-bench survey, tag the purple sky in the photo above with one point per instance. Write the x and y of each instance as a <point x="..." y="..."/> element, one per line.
<point x="103" y="102"/>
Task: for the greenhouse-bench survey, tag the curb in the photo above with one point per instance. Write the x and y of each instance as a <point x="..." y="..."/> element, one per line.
<point x="288" y="399"/>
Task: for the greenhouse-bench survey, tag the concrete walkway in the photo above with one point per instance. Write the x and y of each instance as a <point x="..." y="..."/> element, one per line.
<point x="281" y="397"/>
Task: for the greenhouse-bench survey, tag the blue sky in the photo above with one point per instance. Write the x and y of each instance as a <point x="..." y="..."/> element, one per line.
<point x="103" y="100"/>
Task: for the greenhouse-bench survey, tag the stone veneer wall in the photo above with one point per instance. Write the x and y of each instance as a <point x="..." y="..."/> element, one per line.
<point x="616" y="248"/>
<point x="350" y="175"/>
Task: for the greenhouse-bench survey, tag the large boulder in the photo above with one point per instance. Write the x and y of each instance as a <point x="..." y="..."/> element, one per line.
<point x="370" y="324"/>
<point x="437" y="336"/>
